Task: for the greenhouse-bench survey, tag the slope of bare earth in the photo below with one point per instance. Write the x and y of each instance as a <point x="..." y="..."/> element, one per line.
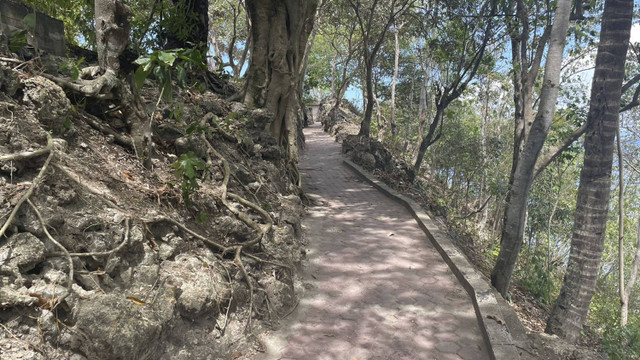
<point x="102" y="259"/>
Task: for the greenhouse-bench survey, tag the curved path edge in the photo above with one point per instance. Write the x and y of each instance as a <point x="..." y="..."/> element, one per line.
<point x="496" y="334"/>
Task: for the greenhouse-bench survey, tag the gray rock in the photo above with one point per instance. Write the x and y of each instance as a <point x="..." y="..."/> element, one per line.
<point x="191" y="143"/>
<point x="234" y="228"/>
<point x="110" y="326"/>
<point x="166" y="134"/>
<point x="24" y="251"/>
<point x="49" y="100"/>
<point x="213" y="106"/>
<point x="242" y="175"/>
<point x="367" y="160"/>
<point x="281" y="295"/>
<point x="146" y="274"/>
<point x="10" y="297"/>
<point x="199" y="286"/>
<point x="48" y="324"/>
<point x="237" y="107"/>
<point x="260" y="118"/>
<point x="9" y="81"/>
<point x="291" y="211"/>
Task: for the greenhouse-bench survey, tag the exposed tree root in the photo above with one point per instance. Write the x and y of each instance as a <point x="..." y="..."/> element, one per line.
<point x="29" y="154"/>
<point x="124" y="242"/>
<point x="224" y="196"/>
<point x="119" y="139"/>
<point x="58" y="300"/>
<point x="109" y="86"/>
<point x="238" y="261"/>
<point x="34" y="184"/>
<point x="239" y="214"/>
<point x="208" y="119"/>
<point x="102" y="85"/>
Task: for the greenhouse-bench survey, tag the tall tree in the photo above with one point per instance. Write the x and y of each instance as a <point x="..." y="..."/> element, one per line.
<point x="458" y="48"/>
<point x="527" y="49"/>
<point x="279" y="30"/>
<point x="523" y="173"/>
<point x="374" y="18"/>
<point x="592" y="207"/>
<point x="396" y="65"/>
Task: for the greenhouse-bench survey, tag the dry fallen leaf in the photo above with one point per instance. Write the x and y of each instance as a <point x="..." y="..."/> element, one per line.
<point x="236" y="355"/>
<point x="497" y="319"/>
<point x="136" y="300"/>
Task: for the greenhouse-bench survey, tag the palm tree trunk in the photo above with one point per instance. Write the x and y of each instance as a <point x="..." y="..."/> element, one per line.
<point x="592" y="207"/>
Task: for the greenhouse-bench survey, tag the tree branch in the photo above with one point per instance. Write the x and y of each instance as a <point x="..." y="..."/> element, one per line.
<point x="553" y="152"/>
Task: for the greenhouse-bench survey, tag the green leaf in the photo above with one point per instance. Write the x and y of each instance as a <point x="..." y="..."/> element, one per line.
<point x="142" y="60"/>
<point x="167" y="57"/>
<point x="201" y="217"/>
<point x="186" y="169"/>
<point x="18" y="41"/>
<point x="182" y="76"/>
<point x="161" y="75"/>
<point x="139" y="76"/>
<point x="30" y="21"/>
<point x="167" y="94"/>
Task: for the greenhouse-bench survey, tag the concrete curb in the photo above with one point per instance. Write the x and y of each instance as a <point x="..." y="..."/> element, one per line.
<point x="497" y="336"/>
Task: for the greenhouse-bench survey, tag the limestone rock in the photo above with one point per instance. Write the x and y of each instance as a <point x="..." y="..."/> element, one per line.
<point x="191" y="143"/>
<point x="24" y="251"/>
<point x="199" y="286"/>
<point x="110" y="326"/>
<point x="49" y="100"/>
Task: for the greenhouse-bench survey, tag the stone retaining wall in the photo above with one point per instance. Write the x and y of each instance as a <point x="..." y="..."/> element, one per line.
<point x="49" y="31"/>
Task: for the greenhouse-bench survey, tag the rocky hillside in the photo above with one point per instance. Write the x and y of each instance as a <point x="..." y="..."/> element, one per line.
<point x="101" y="258"/>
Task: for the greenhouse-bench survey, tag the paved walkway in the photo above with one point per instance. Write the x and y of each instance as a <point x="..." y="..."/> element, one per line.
<point x="379" y="290"/>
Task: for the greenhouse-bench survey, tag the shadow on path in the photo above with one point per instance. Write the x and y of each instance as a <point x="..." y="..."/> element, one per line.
<point x="379" y="290"/>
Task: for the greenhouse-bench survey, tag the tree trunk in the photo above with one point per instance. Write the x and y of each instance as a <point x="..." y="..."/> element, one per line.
<point x="280" y="30"/>
<point x="516" y="209"/>
<point x="394" y="127"/>
<point x="365" y="127"/>
<point x="624" y="301"/>
<point x="624" y="311"/>
<point x="427" y="140"/>
<point x="112" y="32"/>
<point x="112" y="38"/>
<point x="302" y="73"/>
<point x="592" y="206"/>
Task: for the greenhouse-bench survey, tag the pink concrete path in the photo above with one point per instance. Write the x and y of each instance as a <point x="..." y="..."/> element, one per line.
<point x="377" y="287"/>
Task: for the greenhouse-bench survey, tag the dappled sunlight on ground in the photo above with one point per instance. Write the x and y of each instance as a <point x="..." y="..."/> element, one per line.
<point x="380" y="289"/>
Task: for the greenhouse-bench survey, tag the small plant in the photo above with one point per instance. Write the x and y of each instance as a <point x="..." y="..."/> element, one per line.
<point x="537" y="278"/>
<point x="621" y="343"/>
<point x="186" y="169"/>
<point x="73" y="67"/>
<point x="177" y="113"/>
<point x="19" y="37"/>
<point x="160" y="63"/>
